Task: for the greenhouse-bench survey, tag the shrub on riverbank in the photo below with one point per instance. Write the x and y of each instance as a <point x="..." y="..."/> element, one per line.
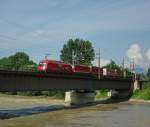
<point x="101" y="94"/>
<point x="143" y="94"/>
<point x="51" y="93"/>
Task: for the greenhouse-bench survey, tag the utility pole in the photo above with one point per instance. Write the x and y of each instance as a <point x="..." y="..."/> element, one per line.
<point x="46" y="55"/>
<point x="133" y="66"/>
<point x="130" y="66"/>
<point x="73" y="62"/>
<point x="134" y="69"/>
<point x="123" y="63"/>
<point x="123" y="67"/>
<point x="99" y="64"/>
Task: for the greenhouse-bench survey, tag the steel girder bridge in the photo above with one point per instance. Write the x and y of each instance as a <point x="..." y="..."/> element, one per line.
<point x="26" y="81"/>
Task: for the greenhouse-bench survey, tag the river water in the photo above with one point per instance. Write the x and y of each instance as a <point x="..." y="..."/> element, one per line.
<point x="126" y="114"/>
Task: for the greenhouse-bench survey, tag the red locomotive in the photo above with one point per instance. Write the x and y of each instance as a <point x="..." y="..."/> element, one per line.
<point x="61" y="67"/>
<point x="54" y="66"/>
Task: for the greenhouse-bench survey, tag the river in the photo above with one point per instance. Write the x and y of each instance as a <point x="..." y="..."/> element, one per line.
<point x="126" y="114"/>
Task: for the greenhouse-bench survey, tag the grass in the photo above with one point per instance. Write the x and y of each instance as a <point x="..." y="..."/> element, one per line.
<point x="101" y="94"/>
<point x="51" y="93"/>
<point x="143" y="94"/>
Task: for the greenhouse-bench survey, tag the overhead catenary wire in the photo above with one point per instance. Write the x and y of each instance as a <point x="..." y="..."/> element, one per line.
<point x="99" y="64"/>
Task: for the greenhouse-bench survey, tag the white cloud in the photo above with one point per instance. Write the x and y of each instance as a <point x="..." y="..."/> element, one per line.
<point x="148" y="55"/>
<point x="142" y="60"/>
<point x="103" y="62"/>
<point x="134" y="52"/>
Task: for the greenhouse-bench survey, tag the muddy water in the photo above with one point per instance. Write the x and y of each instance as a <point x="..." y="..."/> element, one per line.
<point x="102" y="115"/>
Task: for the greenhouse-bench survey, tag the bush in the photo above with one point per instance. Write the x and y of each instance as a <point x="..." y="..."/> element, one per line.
<point x="10" y="93"/>
<point x="51" y="93"/>
<point x="101" y="93"/>
<point x="29" y="93"/>
<point x="54" y="93"/>
<point x="143" y="94"/>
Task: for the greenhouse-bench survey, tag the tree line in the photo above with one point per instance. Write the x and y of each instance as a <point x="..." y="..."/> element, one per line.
<point x="75" y="51"/>
<point x="20" y="61"/>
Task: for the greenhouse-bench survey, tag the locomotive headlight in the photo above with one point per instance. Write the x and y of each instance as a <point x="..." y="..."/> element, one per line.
<point x="44" y="66"/>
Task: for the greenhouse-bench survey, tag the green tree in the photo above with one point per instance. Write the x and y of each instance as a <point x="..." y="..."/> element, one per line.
<point x="148" y="72"/>
<point x="30" y="66"/>
<point x="5" y="64"/>
<point x="79" y="51"/>
<point x="19" y="60"/>
<point x="112" y="65"/>
<point x="125" y="72"/>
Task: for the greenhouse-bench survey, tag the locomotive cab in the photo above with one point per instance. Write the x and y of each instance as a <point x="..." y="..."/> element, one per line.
<point x="42" y="66"/>
<point x="52" y="66"/>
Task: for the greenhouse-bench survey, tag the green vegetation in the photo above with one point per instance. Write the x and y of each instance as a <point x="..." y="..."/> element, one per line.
<point x="148" y="72"/>
<point x="51" y="93"/>
<point x="123" y="71"/>
<point x="18" y="62"/>
<point x="112" y="65"/>
<point x="143" y="94"/>
<point x="78" y="51"/>
<point x="101" y="94"/>
<point x="21" y="62"/>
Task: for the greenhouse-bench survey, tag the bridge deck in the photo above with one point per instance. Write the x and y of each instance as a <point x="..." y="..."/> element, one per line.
<point x="23" y="81"/>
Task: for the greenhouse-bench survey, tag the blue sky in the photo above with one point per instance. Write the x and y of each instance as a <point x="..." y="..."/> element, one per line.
<point x="43" y="26"/>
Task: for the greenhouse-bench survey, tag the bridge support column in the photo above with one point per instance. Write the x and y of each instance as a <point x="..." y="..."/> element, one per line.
<point x="79" y="97"/>
<point x="136" y="85"/>
<point x="120" y="94"/>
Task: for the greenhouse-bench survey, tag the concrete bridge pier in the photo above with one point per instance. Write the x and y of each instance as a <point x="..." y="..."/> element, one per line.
<point x="120" y="94"/>
<point x="136" y="85"/>
<point x="79" y="97"/>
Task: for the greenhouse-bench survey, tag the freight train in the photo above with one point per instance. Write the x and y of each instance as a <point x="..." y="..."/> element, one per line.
<point x="53" y="66"/>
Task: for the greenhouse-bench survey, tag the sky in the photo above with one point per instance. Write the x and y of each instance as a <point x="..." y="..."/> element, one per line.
<point x="120" y="28"/>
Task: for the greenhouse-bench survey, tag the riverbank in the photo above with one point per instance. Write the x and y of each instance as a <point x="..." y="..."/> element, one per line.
<point x="143" y="94"/>
<point x="16" y="101"/>
<point x="46" y="100"/>
<point x="115" y="115"/>
<point x="139" y="101"/>
<point x="15" y="105"/>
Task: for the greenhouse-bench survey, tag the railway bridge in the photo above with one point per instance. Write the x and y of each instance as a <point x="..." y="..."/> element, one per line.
<point x="82" y="86"/>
